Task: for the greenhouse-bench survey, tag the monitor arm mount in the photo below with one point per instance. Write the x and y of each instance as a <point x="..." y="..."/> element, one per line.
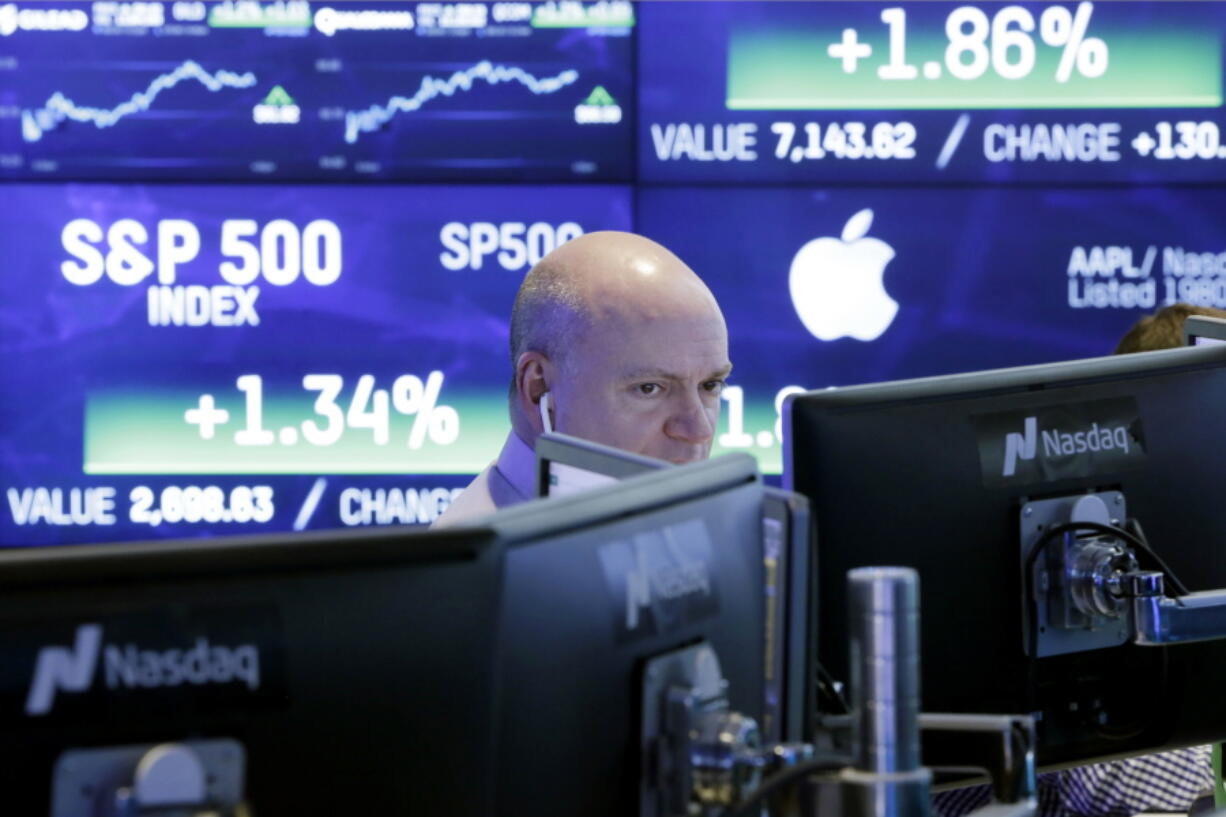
<point x="1160" y="619"/>
<point x="699" y="757"/>
<point x="1087" y="591"/>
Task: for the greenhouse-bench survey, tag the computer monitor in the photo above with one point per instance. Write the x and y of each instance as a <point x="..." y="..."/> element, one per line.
<point x="1203" y="330"/>
<point x="317" y="673"/>
<point x="598" y="584"/>
<point x="939" y="473"/>
<point x="567" y="465"/>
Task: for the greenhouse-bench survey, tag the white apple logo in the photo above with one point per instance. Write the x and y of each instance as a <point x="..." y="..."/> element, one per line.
<point x="836" y="284"/>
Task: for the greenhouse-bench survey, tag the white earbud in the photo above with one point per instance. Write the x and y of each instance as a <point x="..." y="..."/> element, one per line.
<point x="545" y="420"/>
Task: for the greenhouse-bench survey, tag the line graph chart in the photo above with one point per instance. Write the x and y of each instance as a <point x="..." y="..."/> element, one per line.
<point x="59" y="108"/>
<point x="376" y="116"/>
<point x="235" y="103"/>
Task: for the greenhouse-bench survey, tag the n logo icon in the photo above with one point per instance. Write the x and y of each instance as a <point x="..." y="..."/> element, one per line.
<point x="62" y="668"/>
<point x="1020" y="446"/>
<point x="638" y="590"/>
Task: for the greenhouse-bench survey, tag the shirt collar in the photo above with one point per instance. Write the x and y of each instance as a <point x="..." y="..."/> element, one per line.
<point x="517" y="466"/>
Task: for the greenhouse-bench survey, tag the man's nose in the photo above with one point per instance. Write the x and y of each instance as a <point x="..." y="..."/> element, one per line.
<point x="690" y="422"/>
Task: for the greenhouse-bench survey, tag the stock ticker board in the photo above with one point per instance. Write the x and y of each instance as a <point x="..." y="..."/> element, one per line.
<point x="295" y="90"/>
<point x="336" y="356"/>
<point x="931" y="92"/>
<point x="190" y="344"/>
<point x="836" y="286"/>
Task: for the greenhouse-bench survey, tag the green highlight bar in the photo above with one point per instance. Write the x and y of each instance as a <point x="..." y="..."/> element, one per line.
<point x="137" y="431"/>
<point x="145" y="432"/>
<point x="969" y="102"/>
<point x="291" y="15"/>
<point x="789" y="70"/>
<point x="572" y="15"/>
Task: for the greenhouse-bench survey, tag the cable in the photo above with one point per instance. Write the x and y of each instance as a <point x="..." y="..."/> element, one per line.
<point x="1109" y="530"/>
<point x="1133" y="526"/>
<point x="751" y="806"/>
<point x="1134" y="537"/>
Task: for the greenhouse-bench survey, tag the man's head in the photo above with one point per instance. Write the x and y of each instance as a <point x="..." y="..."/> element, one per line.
<point x="1163" y="329"/>
<point x="629" y="343"/>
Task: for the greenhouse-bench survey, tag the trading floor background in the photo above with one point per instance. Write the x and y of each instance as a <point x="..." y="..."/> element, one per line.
<point x="260" y="256"/>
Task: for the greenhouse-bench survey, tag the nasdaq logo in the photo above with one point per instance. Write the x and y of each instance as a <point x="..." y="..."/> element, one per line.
<point x="660" y="580"/>
<point x="1020" y="446"/>
<point x="1060" y="442"/>
<point x="1067" y="441"/>
<point x="70" y="670"/>
<point x="132" y="667"/>
<point x="647" y="584"/>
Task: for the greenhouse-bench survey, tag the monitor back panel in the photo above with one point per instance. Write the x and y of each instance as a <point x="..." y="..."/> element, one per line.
<point x="353" y="688"/>
<point x="583" y="610"/>
<point x="917" y="480"/>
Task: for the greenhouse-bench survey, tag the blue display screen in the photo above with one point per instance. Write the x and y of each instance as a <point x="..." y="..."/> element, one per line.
<point x="931" y="92"/>
<point x="316" y="91"/>
<point x="181" y="360"/>
<point x="832" y="287"/>
<point x="199" y="336"/>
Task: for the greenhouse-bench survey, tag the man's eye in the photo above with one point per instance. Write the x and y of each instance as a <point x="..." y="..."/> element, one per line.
<point x="714" y="386"/>
<point x="648" y="389"/>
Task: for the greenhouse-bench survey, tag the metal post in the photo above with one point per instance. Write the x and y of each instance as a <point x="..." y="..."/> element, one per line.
<point x="887" y="779"/>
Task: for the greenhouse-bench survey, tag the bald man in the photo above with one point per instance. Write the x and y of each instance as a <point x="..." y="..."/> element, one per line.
<point x="615" y="340"/>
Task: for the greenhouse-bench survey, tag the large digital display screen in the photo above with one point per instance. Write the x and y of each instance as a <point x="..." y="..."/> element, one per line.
<point x="838" y="286"/>
<point x="181" y="360"/>
<point x="301" y="90"/>
<point x="931" y="91"/>
<point x="873" y="190"/>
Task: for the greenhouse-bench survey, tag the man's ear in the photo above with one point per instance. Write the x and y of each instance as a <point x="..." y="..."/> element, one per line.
<point x="534" y="374"/>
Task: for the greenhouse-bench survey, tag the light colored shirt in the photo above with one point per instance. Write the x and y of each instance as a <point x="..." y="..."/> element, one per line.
<point x="509" y="480"/>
